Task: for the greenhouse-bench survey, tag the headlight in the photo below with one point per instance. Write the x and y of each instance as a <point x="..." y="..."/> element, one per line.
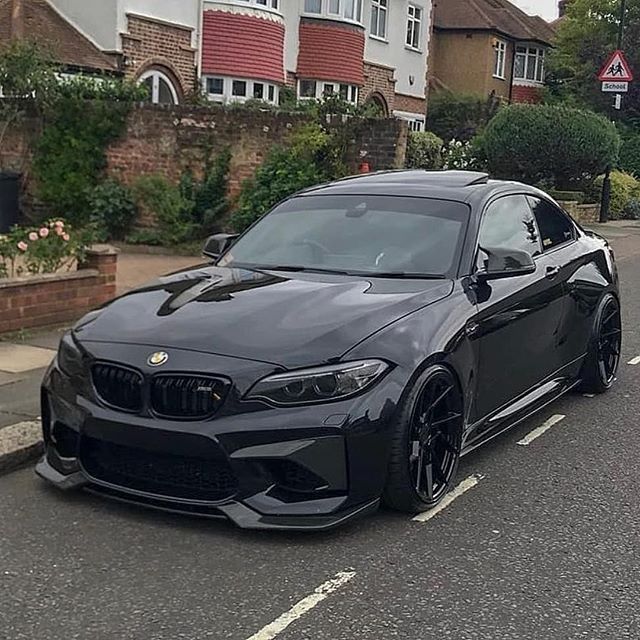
<point x="321" y="384"/>
<point x="70" y="356"/>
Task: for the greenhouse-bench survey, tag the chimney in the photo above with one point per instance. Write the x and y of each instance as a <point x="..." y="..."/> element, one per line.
<point x="562" y="7"/>
<point x="17" y="19"/>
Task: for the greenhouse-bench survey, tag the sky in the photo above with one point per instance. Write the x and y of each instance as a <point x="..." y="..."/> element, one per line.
<point x="548" y="9"/>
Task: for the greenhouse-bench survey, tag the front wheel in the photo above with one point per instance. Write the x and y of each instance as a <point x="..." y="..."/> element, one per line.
<point x="425" y="446"/>
<point x="600" y="367"/>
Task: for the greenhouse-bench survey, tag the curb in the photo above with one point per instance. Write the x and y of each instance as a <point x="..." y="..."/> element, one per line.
<point x="20" y="443"/>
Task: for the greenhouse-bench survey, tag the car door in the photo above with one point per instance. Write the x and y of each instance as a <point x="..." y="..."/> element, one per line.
<point x="519" y="318"/>
<point x="558" y="237"/>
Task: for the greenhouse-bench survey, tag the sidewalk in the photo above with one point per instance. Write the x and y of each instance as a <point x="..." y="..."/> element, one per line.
<point x="24" y="360"/>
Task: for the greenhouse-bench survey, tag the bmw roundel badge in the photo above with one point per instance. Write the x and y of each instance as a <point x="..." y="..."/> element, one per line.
<point x="157" y="359"/>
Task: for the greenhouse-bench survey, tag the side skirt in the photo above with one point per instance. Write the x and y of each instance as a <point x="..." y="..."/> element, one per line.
<point x="486" y="430"/>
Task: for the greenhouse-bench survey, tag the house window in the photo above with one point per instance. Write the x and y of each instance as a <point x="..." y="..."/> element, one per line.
<point x="220" y="89"/>
<point x="345" y="9"/>
<point x="215" y="86"/>
<point x="239" y="88"/>
<point x="416" y="121"/>
<point x="414" y="26"/>
<point x="160" y="87"/>
<point x="379" y="10"/>
<point x="529" y="64"/>
<point x="500" y="48"/>
<point x="268" y="4"/>
<point x="313" y="90"/>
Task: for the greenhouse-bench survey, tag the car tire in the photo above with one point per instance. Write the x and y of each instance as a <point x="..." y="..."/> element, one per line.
<point x="603" y="355"/>
<point x="425" y="444"/>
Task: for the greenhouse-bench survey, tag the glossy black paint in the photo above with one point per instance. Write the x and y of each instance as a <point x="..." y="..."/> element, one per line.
<point x="514" y="344"/>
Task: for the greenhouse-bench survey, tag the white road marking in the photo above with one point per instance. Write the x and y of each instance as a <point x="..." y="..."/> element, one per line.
<point x="462" y="488"/>
<point x="304" y="606"/>
<point x="589" y="395"/>
<point x="543" y="428"/>
<point x="634" y="361"/>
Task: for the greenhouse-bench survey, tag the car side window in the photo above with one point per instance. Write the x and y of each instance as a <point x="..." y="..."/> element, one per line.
<point x="555" y="227"/>
<point x="508" y="223"/>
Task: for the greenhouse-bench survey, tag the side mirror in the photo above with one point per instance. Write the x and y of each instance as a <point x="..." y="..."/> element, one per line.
<point x="502" y="263"/>
<point x="216" y="245"/>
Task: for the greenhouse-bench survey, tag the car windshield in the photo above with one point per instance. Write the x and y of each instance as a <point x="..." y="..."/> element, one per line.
<point x="385" y="236"/>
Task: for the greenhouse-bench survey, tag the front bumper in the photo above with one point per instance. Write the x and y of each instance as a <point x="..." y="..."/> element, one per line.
<point x="310" y="468"/>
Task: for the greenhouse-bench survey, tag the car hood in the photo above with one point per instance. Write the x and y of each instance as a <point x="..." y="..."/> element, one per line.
<point x="291" y="321"/>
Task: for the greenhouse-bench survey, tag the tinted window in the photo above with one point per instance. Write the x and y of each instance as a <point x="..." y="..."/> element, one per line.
<point x="555" y="227"/>
<point x="508" y="223"/>
<point x="364" y="234"/>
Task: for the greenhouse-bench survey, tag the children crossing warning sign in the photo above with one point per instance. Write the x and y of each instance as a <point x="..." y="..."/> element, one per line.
<point x="617" y="69"/>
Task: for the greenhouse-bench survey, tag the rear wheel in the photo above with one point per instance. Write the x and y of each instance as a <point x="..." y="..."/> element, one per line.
<point x="601" y="365"/>
<point x="425" y="447"/>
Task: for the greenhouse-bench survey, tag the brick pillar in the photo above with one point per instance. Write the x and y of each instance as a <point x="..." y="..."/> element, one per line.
<point x="104" y="259"/>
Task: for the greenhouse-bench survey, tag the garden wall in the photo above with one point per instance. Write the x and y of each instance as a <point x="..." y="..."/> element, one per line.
<point x="39" y="301"/>
<point x="168" y="140"/>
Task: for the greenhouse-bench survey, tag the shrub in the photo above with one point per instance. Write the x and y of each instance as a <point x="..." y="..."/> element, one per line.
<point x="630" y="155"/>
<point x="207" y="200"/>
<point x="464" y="156"/>
<point x="311" y="158"/>
<point x="624" y="188"/>
<point x="632" y="210"/>
<point x="47" y="248"/>
<point x="459" y="116"/>
<point x="113" y="210"/>
<point x="537" y="143"/>
<point x="424" y="151"/>
<point x="157" y="197"/>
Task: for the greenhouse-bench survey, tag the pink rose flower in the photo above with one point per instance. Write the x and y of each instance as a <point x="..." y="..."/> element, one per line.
<point x="44" y="232"/>
<point x="23" y="246"/>
<point x="59" y="231"/>
<point x="59" y="224"/>
<point x="33" y="236"/>
<point x="65" y="237"/>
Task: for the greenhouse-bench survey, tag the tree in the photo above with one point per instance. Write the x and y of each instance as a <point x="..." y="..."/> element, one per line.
<point x="586" y="37"/>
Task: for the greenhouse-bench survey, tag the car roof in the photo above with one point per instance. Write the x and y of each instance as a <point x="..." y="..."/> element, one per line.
<point x="460" y="186"/>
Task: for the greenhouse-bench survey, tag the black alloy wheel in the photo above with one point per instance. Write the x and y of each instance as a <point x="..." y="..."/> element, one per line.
<point x="604" y="356"/>
<point x="426" y="446"/>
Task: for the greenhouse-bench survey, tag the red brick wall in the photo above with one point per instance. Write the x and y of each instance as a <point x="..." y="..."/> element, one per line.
<point x="410" y="103"/>
<point x="379" y="79"/>
<point x="40" y="301"/>
<point x="149" y="43"/>
<point x="521" y="93"/>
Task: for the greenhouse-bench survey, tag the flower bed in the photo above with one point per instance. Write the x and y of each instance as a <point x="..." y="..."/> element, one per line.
<point x="46" y="299"/>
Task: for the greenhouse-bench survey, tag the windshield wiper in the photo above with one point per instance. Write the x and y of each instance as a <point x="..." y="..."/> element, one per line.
<point x="399" y="275"/>
<point x="300" y="269"/>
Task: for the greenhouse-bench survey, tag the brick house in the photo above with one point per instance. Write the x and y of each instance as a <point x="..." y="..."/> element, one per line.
<point x="39" y="21"/>
<point x="154" y="42"/>
<point x="364" y="50"/>
<point x="489" y="47"/>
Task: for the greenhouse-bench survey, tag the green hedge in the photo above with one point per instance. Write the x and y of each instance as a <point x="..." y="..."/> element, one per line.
<point x="454" y="116"/>
<point x="424" y="151"/>
<point x="624" y="189"/>
<point x="630" y="155"/>
<point x="557" y="145"/>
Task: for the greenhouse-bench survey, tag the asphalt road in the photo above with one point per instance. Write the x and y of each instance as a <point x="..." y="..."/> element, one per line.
<point x="545" y="546"/>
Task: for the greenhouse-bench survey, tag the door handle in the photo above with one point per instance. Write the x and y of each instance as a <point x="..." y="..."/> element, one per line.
<point x="552" y="272"/>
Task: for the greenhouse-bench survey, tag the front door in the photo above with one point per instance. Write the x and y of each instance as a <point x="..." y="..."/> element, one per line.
<point x="519" y="318"/>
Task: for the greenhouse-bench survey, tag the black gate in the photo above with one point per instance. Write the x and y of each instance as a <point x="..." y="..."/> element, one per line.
<point x="9" y="200"/>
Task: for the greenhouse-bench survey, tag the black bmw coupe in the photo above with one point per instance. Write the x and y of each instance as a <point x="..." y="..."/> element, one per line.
<point x="346" y="350"/>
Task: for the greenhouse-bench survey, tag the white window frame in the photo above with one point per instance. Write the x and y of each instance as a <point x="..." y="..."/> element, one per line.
<point x="158" y="75"/>
<point x="379" y="18"/>
<point x="417" y="121"/>
<point x="227" y="96"/>
<point x="324" y="87"/>
<point x="500" y="60"/>
<point x="263" y="5"/>
<point x="531" y="56"/>
<point x="415" y="20"/>
<point x="327" y="10"/>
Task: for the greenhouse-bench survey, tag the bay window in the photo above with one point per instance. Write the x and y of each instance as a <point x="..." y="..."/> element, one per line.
<point x="350" y="10"/>
<point x="529" y="64"/>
